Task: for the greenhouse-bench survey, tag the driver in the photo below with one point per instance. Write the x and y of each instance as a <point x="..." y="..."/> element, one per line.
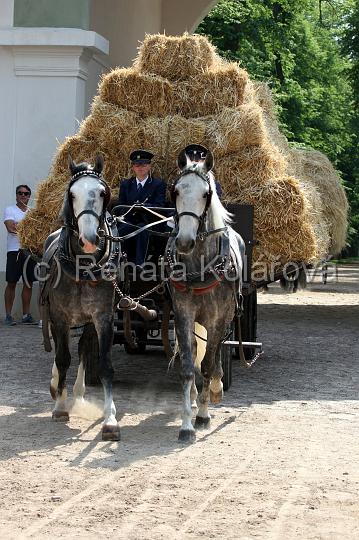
<point x="141" y="188"/>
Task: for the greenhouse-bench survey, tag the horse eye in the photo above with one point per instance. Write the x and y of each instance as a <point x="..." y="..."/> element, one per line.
<point x="102" y="194"/>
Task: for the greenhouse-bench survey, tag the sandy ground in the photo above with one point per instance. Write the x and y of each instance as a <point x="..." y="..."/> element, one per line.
<point x="280" y="460"/>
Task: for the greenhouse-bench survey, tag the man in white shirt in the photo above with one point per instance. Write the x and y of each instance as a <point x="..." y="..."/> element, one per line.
<point x="17" y="263"/>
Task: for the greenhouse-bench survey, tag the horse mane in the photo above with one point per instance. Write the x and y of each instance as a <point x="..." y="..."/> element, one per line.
<point x="217" y="213"/>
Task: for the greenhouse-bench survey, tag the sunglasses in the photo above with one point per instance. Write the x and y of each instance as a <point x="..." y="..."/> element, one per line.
<point x="25" y="193"/>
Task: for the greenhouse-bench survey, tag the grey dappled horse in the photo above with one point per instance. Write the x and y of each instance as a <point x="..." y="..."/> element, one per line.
<point x="76" y="292"/>
<point x="205" y="259"/>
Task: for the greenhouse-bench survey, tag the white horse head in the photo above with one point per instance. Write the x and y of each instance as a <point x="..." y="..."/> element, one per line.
<point x="86" y="203"/>
<point x="196" y="199"/>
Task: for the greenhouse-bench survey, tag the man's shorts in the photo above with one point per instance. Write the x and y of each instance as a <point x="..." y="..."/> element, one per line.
<point x="19" y="264"/>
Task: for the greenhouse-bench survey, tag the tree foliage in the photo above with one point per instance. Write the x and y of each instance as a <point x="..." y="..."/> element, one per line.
<point x="308" y="51"/>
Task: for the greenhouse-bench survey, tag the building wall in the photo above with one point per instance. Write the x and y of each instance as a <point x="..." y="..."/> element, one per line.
<point x="52" y="13"/>
<point x="124" y="23"/>
<point x="184" y="15"/>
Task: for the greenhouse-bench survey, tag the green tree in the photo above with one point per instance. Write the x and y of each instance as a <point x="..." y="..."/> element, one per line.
<point x="296" y="47"/>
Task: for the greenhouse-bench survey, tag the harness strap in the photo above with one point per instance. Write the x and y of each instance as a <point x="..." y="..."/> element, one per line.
<point x="196" y="291"/>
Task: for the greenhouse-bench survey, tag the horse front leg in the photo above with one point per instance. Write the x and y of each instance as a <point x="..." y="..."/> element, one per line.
<point x="110" y="427"/>
<point x="59" y="370"/>
<point x="184" y="330"/>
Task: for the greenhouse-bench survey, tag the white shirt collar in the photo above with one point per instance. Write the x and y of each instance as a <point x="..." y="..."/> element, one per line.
<point x="142" y="182"/>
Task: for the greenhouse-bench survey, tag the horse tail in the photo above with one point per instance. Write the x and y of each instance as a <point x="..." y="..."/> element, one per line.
<point x="200" y="333"/>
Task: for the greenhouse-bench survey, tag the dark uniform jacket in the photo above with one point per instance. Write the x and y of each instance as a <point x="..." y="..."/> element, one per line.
<point x="152" y="194"/>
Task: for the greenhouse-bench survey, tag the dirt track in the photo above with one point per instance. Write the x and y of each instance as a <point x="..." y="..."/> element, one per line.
<point x="280" y="460"/>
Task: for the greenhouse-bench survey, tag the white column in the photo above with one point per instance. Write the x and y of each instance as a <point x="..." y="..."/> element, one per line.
<point x="46" y="77"/>
<point x="6" y="13"/>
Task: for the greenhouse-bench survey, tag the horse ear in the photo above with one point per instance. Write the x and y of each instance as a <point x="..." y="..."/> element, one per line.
<point x="182" y="160"/>
<point x="72" y="165"/>
<point x="98" y="164"/>
<point x="208" y="164"/>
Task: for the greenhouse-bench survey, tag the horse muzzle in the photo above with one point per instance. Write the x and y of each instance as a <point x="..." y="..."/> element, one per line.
<point x="89" y="245"/>
<point x="184" y="246"/>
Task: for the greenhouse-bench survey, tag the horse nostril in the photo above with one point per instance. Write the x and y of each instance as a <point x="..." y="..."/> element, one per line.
<point x="192" y="243"/>
<point x="81" y="243"/>
<point x="97" y="240"/>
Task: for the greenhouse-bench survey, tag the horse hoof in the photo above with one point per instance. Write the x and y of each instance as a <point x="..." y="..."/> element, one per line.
<point x="60" y="416"/>
<point x="53" y="392"/>
<point x="201" y="422"/>
<point x="186" y="436"/>
<point x="216" y="397"/>
<point x="111" y="433"/>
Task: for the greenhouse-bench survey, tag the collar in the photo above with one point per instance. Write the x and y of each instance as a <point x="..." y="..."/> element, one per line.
<point x="142" y="182"/>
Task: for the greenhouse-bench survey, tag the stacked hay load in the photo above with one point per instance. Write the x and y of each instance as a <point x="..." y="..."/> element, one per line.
<point x="179" y="92"/>
<point x="319" y="182"/>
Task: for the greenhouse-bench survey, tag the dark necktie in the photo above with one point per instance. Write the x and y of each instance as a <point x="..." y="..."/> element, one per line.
<point x="139" y="190"/>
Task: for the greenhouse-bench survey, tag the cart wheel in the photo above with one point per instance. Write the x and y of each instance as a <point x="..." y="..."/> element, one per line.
<point x="225" y="355"/>
<point x="248" y="322"/>
<point x="226" y="359"/>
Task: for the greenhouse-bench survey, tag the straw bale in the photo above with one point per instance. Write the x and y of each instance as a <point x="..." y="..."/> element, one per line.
<point x="319" y="222"/>
<point x="252" y="166"/>
<point x="145" y="94"/>
<point x="80" y="149"/>
<point x="294" y="243"/>
<point x="262" y="94"/>
<point x="175" y="57"/>
<point x="210" y="91"/>
<point x="166" y="137"/>
<point x="50" y="194"/>
<point x="34" y="229"/>
<point x="112" y="126"/>
<point x="281" y="222"/>
<point x="315" y="169"/>
<point x="276" y="202"/>
<point x="233" y="129"/>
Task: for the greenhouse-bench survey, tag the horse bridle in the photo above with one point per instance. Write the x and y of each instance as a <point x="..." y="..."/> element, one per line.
<point x="173" y="196"/>
<point x="107" y="196"/>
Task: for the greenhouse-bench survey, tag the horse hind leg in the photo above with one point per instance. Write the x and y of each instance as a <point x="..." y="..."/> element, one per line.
<point x="85" y="343"/>
<point x="79" y="386"/>
<point x="54" y="381"/>
<point x="203" y="418"/>
<point x="194" y="394"/>
<point x="216" y="385"/>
